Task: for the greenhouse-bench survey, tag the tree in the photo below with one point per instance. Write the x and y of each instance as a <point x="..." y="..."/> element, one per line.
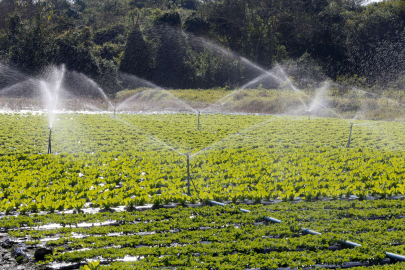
<point x="75" y="50"/>
<point x="172" y="69"/>
<point x="30" y="46"/>
<point x="266" y="17"/>
<point x="137" y="58"/>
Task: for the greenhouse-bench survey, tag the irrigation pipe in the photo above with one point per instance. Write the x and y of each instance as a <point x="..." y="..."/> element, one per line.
<point x="395" y="256"/>
<point x="274" y="220"/>
<point x="349" y="243"/>
<point x="308" y="231"/>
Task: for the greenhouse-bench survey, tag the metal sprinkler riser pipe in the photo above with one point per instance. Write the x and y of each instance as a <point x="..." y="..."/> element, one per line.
<point x="50" y="141"/>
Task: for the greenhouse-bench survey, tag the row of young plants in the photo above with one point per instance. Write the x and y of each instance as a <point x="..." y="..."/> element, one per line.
<point x="229" y="263"/>
<point x="245" y="239"/>
<point x="55" y="183"/>
<point x="203" y="253"/>
<point x="376" y="243"/>
<point x="346" y="228"/>
<point x="304" y="211"/>
<point x="287" y="161"/>
<point x="260" y="236"/>
<point x="28" y="133"/>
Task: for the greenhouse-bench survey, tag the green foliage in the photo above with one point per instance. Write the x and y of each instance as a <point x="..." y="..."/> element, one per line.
<point x="275" y="158"/>
<point x="361" y="40"/>
<point x="180" y="233"/>
<point x="137" y="57"/>
<point x="93" y="265"/>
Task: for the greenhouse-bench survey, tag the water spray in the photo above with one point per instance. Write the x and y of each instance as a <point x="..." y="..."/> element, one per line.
<point x="198" y="121"/>
<point x="188" y="175"/>
<point x="50" y="141"/>
<point x="350" y="135"/>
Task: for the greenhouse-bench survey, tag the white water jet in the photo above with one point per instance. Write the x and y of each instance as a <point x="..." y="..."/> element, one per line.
<point x="222" y="101"/>
<point x="17" y="86"/>
<point x="151" y="137"/>
<point x="51" y="88"/>
<point x="142" y="99"/>
<point x="319" y="96"/>
<point x="135" y="82"/>
<point x="98" y="88"/>
<point x="239" y="133"/>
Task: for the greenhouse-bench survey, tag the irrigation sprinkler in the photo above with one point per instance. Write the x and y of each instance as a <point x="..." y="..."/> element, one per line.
<point x="350" y="135"/>
<point x="50" y="141"/>
<point x="188" y="175"/>
<point x="309" y="115"/>
<point x="198" y="121"/>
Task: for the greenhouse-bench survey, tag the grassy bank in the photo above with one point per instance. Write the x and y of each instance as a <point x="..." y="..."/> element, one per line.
<point x="353" y="104"/>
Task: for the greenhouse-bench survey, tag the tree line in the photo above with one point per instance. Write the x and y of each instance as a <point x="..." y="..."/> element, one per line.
<point x="207" y="43"/>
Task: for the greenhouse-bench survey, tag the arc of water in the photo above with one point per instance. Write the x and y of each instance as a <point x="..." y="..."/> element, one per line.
<point x="182" y="102"/>
<point x="249" y="63"/>
<point x="145" y="82"/>
<point x="299" y="91"/>
<point x="295" y="89"/>
<point x="10" y="88"/>
<point x="234" y="135"/>
<point x="381" y="96"/>
<point x="99" y="89"/>
<point x="123" y="104"/>
<point x="319" y="95"/>
<point x="93" y="107"/>
<point x="150" y="137"/>
<point x="226" y="98"/>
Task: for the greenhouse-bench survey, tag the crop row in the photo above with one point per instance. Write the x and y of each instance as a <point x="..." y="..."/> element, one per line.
<point x="209" y="233"/>
<point x="304" y="211"/>
<point x="27" y="133"/>
<point x="228" y="262"/>
<point x="51" y="183"/>
<point x="224" y="250"/>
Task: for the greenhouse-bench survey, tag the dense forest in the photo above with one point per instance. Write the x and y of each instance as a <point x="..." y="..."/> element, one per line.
<point x="207" y="43"/>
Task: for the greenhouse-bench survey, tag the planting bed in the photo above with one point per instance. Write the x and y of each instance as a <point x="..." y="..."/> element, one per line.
<point x="93" y="199"/>
<point x="220" y="237"/>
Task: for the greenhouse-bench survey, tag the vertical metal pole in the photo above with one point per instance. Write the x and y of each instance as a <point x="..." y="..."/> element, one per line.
<point x="198" y="122"/>
<point x="309" y="116"/>
<point x="350" y="135"/>
<point x="188" y="175"/>
<point x="50" y="141"/>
